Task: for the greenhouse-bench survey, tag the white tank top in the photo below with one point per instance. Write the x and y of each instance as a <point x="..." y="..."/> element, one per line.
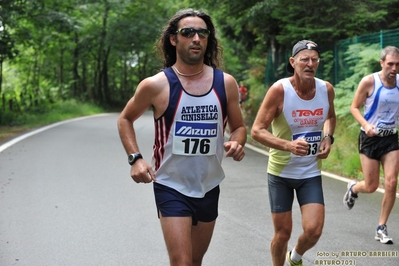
<point x="189" y="137"/>
<point x="299" y="119"/>
<point x="381" y="108"/>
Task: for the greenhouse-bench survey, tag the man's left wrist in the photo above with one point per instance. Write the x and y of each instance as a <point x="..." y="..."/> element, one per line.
<point x="329" y="136"/>
<point x="132" y="158"/>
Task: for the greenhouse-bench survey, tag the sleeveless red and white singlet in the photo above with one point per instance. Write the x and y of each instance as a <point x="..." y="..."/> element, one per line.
<point x="189" y="137"/>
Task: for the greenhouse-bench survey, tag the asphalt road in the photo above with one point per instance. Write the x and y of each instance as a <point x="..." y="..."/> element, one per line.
<point x="66" y="198"/>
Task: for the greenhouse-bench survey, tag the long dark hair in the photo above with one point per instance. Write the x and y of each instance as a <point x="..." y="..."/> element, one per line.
<point x="213" y="54"/>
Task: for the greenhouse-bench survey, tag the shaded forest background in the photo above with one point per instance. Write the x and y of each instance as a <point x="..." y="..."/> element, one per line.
<point x="97" y="51"/>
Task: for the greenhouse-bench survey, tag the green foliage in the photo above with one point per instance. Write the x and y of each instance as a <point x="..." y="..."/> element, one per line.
<point x="327" y="21"/>
<point x="344" y="157"/>
<point x="326" y="68"/>
<point x="92" y="51"/>
<point x="343" y="101"/>
<point x="42" y="115"/>
<point x="256" y="92"/>
<point x="362" y="60"/>
<point x="8" y="10"/>
<point x="98" y="51"/>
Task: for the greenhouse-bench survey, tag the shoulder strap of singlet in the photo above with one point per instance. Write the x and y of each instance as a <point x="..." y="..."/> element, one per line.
<point x="175" y="91"/>
<point x="320" y="83"/>
<point x="174" y="85"/>
<point x="374" y="106"/>
<point x="218" y="86"/>
<point x="286" y="83"/>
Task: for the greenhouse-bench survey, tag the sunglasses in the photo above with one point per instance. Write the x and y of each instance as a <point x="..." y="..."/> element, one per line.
<point x="190" y="32"/>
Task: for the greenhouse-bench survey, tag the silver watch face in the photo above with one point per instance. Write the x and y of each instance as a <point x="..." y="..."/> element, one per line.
<point x="131" y="158"/>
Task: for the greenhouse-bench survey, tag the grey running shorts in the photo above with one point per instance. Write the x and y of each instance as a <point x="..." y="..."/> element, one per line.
<point x="172" y="203"/>
<point x="281" y="192"/>
<point x="376" y="147"/>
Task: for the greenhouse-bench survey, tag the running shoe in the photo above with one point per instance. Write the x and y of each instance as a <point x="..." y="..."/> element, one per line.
<point x="290" y="262"/>
<point x="349" y="197"/>
<point x="381" y="235"/>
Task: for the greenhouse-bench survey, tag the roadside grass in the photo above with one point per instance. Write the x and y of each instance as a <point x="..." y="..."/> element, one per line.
<point x="25" y="121"/>
<point x="344" y="157"/>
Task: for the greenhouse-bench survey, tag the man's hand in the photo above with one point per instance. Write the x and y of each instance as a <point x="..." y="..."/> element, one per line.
<point x="235" y="150"/>
<point x="299" y="147"/>
<point x="369" y="129"/>
<point x="141" y="172"/>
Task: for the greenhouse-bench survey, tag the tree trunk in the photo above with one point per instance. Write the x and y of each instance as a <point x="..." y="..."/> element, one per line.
<point x="76" y="85"/>
<point x="3" y="106"/>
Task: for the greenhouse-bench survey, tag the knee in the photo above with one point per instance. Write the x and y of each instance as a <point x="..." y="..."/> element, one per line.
<point x="390" y="184"/>
<point x="180" y="260"/>
<point x="313" y="233"/>
<point x="282" y="236"/>
<point x="371" y="187"/>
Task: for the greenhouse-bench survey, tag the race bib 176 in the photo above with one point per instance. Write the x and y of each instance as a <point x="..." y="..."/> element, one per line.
<point x="198" y="138"/>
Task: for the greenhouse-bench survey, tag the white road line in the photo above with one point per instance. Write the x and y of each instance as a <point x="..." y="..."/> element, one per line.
<point x="34" y="132"/>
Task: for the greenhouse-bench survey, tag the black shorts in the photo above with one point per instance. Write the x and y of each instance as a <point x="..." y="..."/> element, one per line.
<point x="281" y="192"/>
<point x="172" y="203"/>
<point x="376" y="147"/>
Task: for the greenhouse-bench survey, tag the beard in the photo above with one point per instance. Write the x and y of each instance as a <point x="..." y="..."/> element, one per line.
<point x="189" y="57"/>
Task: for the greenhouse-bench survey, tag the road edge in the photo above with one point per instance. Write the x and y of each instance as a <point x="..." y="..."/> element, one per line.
<point x="15" y="140"/>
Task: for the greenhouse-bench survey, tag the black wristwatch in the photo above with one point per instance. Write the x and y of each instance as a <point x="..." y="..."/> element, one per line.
<point x="132" y="158"/>
<point x="331" y="137"/>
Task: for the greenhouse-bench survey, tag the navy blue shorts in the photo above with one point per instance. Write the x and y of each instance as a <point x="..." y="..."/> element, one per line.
<point x="281" y="192"/>
<point x="172" y="203"/>
<point x="376" y="147"/>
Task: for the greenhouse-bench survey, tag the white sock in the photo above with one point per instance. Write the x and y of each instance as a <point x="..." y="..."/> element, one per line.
<point x="295" y="256"/>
